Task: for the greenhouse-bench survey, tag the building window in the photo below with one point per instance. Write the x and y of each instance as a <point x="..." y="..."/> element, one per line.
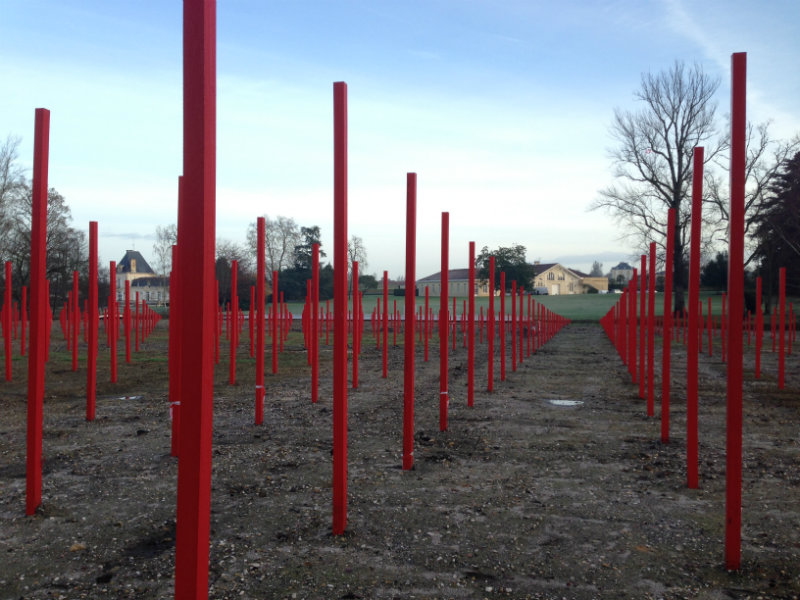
<point x="571" y="287"/>
<point x="551" y="276"/>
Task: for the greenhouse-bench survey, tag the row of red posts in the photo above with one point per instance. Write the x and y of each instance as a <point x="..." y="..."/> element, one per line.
<point x="621" y="324"/>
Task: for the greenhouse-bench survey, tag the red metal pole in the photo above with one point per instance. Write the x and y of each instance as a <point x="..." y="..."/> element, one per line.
<point x="651" y="340"/>
<point x="409" y="364"/>
<point x="443" y="324"/>
<point x="111" y="324"/>
<point x="196" y="229"/>
<point x="261" y="299"/>
<point x="340" y="308"/>
<point x="642" y="328"/>
<point x="666" y="354"/>
<point x="277" y="330"/>
<point x="233" y="327"/>
<point x="514" y="325"/>
<point x="385" y="326"/>
<point x="426" y="321"/>
<point x="91" y="367"/>
<point x="75" y="319"/>
<point x="490" y="330"/>
<point x="356" y="323"/>
<point x="7" y="321"/>
<point x="733" y="471"/>
<point x="314" y="322"/>
<point x="781" y="326"/>
<point x="471" y="329"/>
<point x="692" y="351"/>
<point x="23" y="319"/>
<point x="632" y="286"/>
<point x="251" y="323"/>
<point x="39" y="305"/>
<point x="127" y="320"/>
<point x="502" y="325"/>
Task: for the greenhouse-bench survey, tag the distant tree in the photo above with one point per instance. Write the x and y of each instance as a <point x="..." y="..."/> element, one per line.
<point x="304" y="250"/>
<point x="714" y="274"/>
<point x="166" y="237"/>
<point x="653" y="158"/>
<point x="356" y="252"/>
<point x="510" y="259"/>
<point x="280" y="240"/>
<point x="12" y="180"/>
<point x="597" y="269"/>
<point x="367" y="282"/>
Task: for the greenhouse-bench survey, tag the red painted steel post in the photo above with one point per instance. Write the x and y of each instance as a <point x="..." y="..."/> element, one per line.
<point x="340" y="308"/>
<point x="651" y="340"/>
<point x="175" y="352"/>
<point x="261" y="300"/>
<point x="7" y="320"/>
<point x="642" y="328"/>
<point x="277" y="330"/>
<point x="135" y="323"/>
<point x="471" y="329"/>
<point x="75" y="319"/>
<point x="39" y="305"/>
<point x="111" y="322"/>
<point x="233" y="327"/>
<point x="502" y="325"/>
<point x="692" y="351"/>
<point x="356" y="324"/>
<point x="251" y="322"/>
<point x="733" y="471"/>
<point x="314" y="323"/>
<point x="127" y="320"/>
<point x="781" y="326"/>
<point x="385" y="326"/>
<point x="196" y="229"/>
<point x="409" y="363"/>
<point x="444" y="399"/>
<point x="23" y="319"/>
<point x="490" y="329"/>
<point x="514" y="325"/>
<point x="93" y="317"/>
<point x="632" y="325"/>
<point x="426" y="322"/>
<point x="666" y="354"/>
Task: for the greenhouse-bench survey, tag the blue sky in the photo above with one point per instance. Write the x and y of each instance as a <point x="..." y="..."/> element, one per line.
<point x="502" y="108"/>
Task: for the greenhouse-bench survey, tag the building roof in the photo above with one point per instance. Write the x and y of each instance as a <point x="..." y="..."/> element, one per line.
<point x="452" y="275"/>
<point x="124" y="265"/>
<point x="623" y="266"/>
<point x="150" y="281"/>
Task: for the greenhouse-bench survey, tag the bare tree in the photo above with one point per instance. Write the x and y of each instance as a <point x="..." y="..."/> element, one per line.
<point x="166" y="237"/>
<point x="653" y="159"/>
<point x="356" y="252"/>
<point x="12" y="181"/>
<point x="765" y="157"/>
<point x="282" y="235"/>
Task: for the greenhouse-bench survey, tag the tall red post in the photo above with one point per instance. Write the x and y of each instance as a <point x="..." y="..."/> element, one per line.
<point x="781" y="326"/>
<point x="196" y="229"/>
<point x="7" y="320"/>
<point x="490" y="329"/>
<point x="514" y="325"/>
<point x="692" y="350"/>
<point x="111" y="324"/>
<point x="385" y="326"/>
<point x="502" y="326"/>
<point x="339" y="307"/>
<point x="642" y="328"/>
<point x="261" y="300"/>
<point x="233" y="328"/>
<point x="39" y="306"/>
<point x="23" y="319"/>
<point x="276" y="328"/>
<point x="444" y="399"/>
<point x="651" y="339"/>
<point x="666" y="354"/>
<point x="409" y="363"/>
<point x="135" y="322"/>
<point x="314" y="322"/>
<point x="426" y="320"/>
<point x="75" y="318"/>
<point x="356" y="324"/>
<point x="471" y="329"/>
<point x="632" y="325"/>
<point x="733" y="471"/>
<point x="126" y="318"/>
<point x="93" y="318"/>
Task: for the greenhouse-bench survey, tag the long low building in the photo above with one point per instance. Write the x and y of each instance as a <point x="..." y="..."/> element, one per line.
<point x="549" y="278"/>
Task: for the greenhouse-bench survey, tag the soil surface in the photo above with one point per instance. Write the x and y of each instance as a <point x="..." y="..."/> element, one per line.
<point x="521" y="497"/>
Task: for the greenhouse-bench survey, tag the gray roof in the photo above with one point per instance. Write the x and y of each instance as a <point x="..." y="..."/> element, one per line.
<point x="124" y="265"/>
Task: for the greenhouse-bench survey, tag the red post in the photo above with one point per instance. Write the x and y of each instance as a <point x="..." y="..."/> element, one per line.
<point x="385" y="326"/>
<point x="781" y="326"/>
<point x="76" y="320"/>
<point x="666" y="354"/>
<point x="135" y="322"/>
<point x="111" y="322"/>
<point x="642" y="328"/>
<point x="175" y="351"/>
<point x="733" y="472"/>
<point x="443" y="323"/>
<point x="692" y="351"/>
<point x="632" y="326"/>
<point x="514" y="325"/>
<point x="233" y="327"/>
<point x="261" y="299"/>
<point x="490" y="331"/>
<point x="251" y="322"/>
<point x="314" y="322"/>
<point x="409" y="364"/>
<point x="39" y="306"/>
<point x="196" y="229"/>
<point x="127" y="320"/>
<point x="426" y="324"/>
<point x="471" y="329"/>
<point x="339" y="307"/>
<point x="93" y="317"/>
<point x="651" y="340"/>
<point x="7" y="321"/>
<point x="277" y="330"/>
<point x="356" y="323"/>
<point x="502" y="325"/>
<point x="23" y="319"/>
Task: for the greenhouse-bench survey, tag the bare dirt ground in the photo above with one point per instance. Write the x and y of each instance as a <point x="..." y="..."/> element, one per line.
<point x="520" y="498"/>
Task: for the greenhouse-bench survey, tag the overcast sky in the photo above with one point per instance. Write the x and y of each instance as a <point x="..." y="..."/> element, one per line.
<point x="502" y="108"/>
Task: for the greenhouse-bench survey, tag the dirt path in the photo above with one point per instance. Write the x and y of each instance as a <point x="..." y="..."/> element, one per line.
<point x="520" y="498"/>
